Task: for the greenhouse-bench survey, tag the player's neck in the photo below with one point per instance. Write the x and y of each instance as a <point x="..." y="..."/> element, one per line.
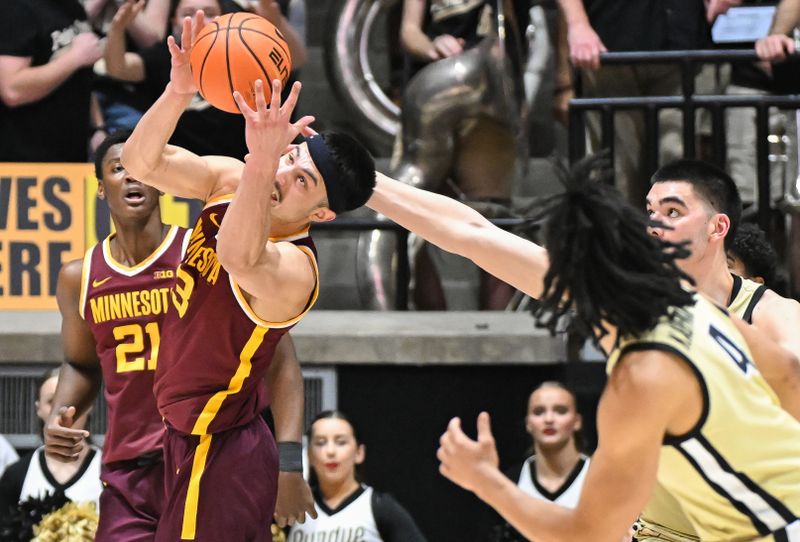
<point x="556" y="463"/>
<point x="280" y="228"/>
<point x="134" y="242"/>
<point x="712" y="277"/>
<point x="334" y="493"/>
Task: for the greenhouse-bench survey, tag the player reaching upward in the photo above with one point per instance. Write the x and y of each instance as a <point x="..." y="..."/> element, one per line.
<point x="668" y="412"/>
<point x="248" y="275"/>
<point x="112" y="304"/>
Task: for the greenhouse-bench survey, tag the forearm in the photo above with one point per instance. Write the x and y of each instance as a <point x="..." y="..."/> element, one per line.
<point x="574" y="12"/>
<point x="416" y="43"/>
<point x="296" y="46"/>
<point x="787" y="17"/>
<point x="144" y="150"/>
<point x="536" y="519"/>
<point x="119" y="63"/>
<point x="438" y="219"/>
<point x="31" y="84"/>
<point x="285" y="383"/>
<point x="94" y="7"/>
<point x="77" y="386"/>
<point x="244" y="231"/>
<point x="147" y="29"/>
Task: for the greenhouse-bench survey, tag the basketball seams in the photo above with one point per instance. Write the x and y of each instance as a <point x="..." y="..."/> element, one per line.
<point x="278" y="43"/>
<point x="205" y="58"/>
<point x="267" y="78"/>
<point x="239" y="59"/>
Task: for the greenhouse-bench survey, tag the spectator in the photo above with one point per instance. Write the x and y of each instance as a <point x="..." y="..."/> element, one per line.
<point x="37" y="474"/>
<point x="46" y="53"/>
<point x="557" y="469"/>
<point x="8" y="454"/>
<point x="148" y="28"/>
<point x="344" y="505"/>
<point x="752" y="257"/>
<point x="597" y="26"/>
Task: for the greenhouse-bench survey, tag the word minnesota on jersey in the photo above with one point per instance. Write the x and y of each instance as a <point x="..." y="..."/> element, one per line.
<point x="204" y="259"/>
<point x="129" y="304"/>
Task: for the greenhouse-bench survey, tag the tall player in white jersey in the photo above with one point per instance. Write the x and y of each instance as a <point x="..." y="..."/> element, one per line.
<point x="668" y="412"/>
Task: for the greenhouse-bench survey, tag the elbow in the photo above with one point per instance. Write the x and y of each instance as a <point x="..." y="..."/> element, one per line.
<point x="12" y="98"/>
<point x="133" y="162"/>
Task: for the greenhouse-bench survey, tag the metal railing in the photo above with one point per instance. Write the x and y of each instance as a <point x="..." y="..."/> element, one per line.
<point x="689" y="103"/>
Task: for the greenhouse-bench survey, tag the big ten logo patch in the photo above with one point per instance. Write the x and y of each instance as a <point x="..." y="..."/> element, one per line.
<point x="41" y="227"/>
<point x="174" y="210"/>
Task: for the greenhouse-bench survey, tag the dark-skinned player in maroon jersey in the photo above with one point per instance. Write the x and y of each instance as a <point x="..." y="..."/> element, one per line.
<point x="113" y="303"/>
<point x="249" y="274"/>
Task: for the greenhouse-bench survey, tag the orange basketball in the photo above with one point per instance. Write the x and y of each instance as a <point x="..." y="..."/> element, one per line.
<point x="232" y="52"/>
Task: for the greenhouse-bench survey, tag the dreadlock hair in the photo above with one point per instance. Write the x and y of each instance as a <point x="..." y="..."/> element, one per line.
<point x="603" y="262"/>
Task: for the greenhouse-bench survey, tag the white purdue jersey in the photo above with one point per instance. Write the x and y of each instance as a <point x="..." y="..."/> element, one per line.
<point x="567" y="495"/>
<point x="84" y="486"/>
<point x="354" y="521"/>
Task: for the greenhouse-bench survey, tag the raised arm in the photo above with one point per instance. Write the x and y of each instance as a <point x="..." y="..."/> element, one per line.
<point x="277" y="277"/>
<point x="177" y="171"/>
<point x="622" y="472"/>
<point x="120" y="64"/>
<point x="456" y="228"/>
<point x="778" y="44"/>
<point x="80" y="377"/>
<point x="285" y="383"/>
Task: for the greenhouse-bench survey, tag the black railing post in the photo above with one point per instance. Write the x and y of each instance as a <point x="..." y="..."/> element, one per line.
<point x="607" y="130"/>
<point x="687" y="83"/>
<point x="719" y="147"/>
<point x="403" y="272"/>
<point x="651" y="136"/>
<point x="577" y="134"/>
<point x="762" y="163"/>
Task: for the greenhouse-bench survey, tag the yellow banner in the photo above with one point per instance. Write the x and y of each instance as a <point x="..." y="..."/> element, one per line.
<point x="50" y="215"/>
<point x="41" y="227"/>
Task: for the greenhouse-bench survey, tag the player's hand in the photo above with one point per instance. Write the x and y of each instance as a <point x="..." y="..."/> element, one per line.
<point x="294" y="500"/>
<point x="60" y="440"/>
<point x="775" y="47"/>
<point x="585" y="46"/>
<point x="86" y="49"/>
<point x="180" y="75"/>
<point x="126" y="13"/>
<point x="268" y="130"/>
<point x="445" y="46"/>
<point x="270" y="10"/>
<point x="467" y="462"/>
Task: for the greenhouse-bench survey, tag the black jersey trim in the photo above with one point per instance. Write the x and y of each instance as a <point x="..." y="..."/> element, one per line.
<point x="748" y="313"/>
<point x="763" y="530"/>
<point x="652" y="345"/>
<point x="736" y="288"/>
<point x="342" y="505"/>
<point x="552" y="496"/>
<point x="75" y="477"/>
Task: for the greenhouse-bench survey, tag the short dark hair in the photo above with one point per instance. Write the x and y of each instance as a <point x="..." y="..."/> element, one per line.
<point x="120" y="136"/>
<point x="752" y="247"/>
<point x="710" y="183"/>
<point x="604" y="264"/>
<point x="356" y="165"/>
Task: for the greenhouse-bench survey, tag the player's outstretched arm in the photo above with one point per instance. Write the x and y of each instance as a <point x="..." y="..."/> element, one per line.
<point x="175" y="170"/>
<point x="79" y="378"/>
<point x="623" y="469"/>
<point x="775" y="346"/>
<point x="284" y="380"/>
<point x="456" y="228"/>
<point x="278" y="277"/>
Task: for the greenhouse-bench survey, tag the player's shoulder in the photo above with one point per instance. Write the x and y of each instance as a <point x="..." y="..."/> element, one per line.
<point x="227" y="172"/>
<point x="773" y="306"/>
<point x="71" y="273"/>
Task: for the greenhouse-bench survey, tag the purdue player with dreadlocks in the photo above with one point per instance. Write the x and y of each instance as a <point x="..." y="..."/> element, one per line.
<point x="668" y="412"/>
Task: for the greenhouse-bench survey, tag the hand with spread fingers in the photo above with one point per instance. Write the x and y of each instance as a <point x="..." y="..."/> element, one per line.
<point x="468" y="462"/>
<point x="180" y="75"/>
<point x="268" y="130"/>
<point x="294" y="500"/>
<point x="60" y="440"/>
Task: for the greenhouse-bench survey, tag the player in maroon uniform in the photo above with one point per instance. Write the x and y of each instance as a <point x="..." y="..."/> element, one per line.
<point x="112" y="303"/>
<point x="237" y="291"/>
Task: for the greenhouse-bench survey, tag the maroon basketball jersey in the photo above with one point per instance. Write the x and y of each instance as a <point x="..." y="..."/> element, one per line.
<point x="124" y="307"/>
<point x="217" y="350"/>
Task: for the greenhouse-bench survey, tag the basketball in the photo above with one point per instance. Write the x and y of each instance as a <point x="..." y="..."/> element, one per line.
<point x="232" y="52"/>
